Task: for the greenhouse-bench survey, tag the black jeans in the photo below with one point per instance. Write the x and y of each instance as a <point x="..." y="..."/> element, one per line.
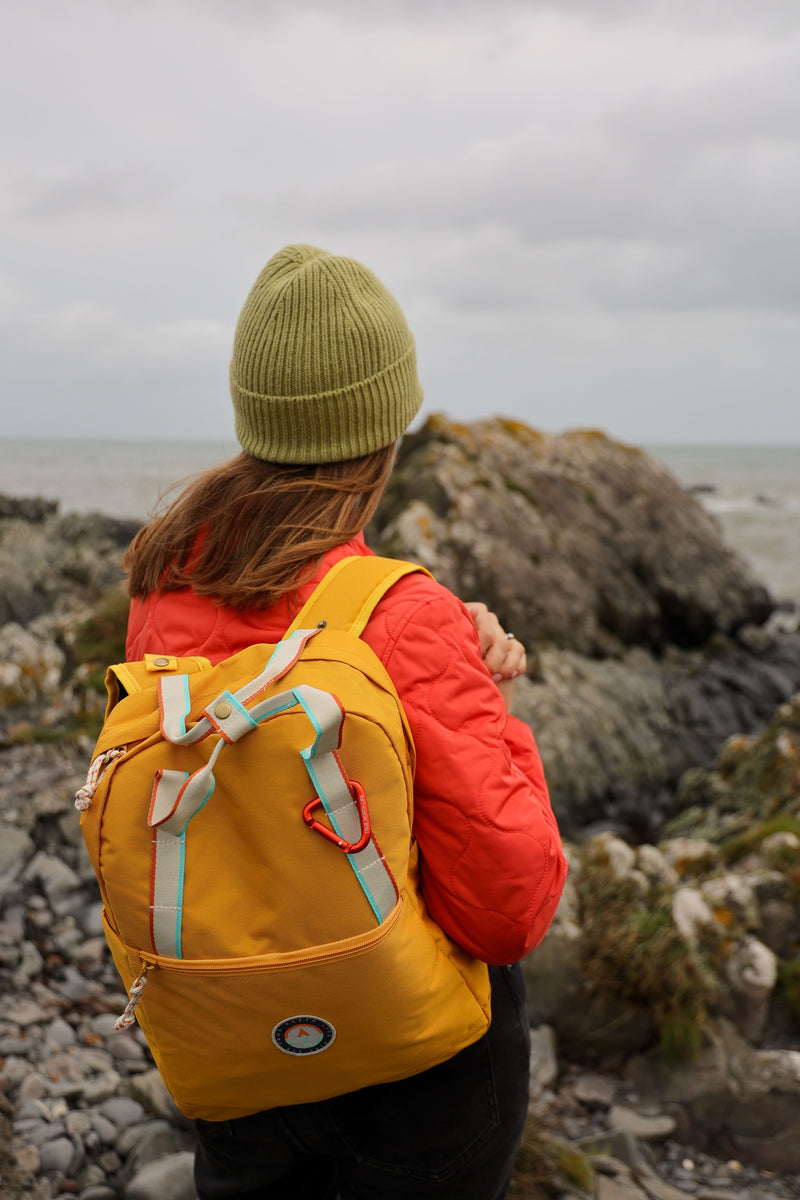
<point x="450" y="1132"/>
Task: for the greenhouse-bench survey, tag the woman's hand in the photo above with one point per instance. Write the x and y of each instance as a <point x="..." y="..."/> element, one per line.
<point x="503" y="654"/>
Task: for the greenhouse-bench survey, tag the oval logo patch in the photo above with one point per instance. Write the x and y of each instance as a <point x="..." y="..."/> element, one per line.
<point x="303" y="1035"/>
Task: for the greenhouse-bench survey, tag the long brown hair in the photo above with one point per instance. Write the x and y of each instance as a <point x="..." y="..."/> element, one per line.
<point x="243" y="532"/>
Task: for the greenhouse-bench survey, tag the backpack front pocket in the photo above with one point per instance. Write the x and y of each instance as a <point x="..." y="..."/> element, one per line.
<point x="234" y="1036"/>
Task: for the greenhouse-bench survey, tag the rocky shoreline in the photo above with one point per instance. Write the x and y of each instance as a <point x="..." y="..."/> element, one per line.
<point x="90" y="1117"/>
<point x="664" y="1002"/>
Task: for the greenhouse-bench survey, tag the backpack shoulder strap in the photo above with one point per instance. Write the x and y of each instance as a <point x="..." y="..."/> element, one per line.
<point x="346" y="596"/>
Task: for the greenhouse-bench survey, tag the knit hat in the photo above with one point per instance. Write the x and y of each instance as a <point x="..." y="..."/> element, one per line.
<point x="324" y="366"/>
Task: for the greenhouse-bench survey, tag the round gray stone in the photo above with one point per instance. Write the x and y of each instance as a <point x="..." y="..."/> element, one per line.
<point x="77" y="1123"/>
<point x="122" y="1111"/>
<point x="123" y="1048"/>
<point x="15" y="850"/>
<point x="103" y="1024"/>
<point x="172" y="1176"/>
<point x="33" y="1087"/>
<point x="57" y="1155"/>
<point x="105" y="1129"/>
<point x="60" y="1033"/>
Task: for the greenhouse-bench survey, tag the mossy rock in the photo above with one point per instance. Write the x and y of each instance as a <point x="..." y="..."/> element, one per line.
<point x="634" y="953"/>
<point x="749" y="840"/>
<point x="545" y="1162"/>
<point x="100" y="639"/>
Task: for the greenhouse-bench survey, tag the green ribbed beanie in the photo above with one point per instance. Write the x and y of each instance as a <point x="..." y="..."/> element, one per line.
<point x="324" y="366"/>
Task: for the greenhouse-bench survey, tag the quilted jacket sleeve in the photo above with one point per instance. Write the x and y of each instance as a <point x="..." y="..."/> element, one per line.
<point x="492" y="865"/>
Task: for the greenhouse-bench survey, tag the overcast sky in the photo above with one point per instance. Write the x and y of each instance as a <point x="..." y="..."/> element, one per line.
<point x="589" y="209"/>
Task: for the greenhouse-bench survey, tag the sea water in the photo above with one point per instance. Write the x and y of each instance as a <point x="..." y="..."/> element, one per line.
<point x="754" y="491"/>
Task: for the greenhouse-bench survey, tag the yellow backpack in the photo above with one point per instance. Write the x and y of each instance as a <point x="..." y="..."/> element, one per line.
<point x="250" y="828"/>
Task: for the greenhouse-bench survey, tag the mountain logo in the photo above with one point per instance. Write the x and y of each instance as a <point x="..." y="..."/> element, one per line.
<point x="303" y="1035"/>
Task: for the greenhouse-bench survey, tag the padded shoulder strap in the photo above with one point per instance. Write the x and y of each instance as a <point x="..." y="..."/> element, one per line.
<point x="348" y="593"/>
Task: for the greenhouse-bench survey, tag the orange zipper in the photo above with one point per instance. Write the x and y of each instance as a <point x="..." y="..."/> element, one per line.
<point x="244" y="966"/>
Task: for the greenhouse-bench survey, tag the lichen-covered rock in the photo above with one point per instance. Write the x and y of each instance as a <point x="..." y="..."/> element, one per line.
<point x="750" y="799"/>
<point x="634" y="610"/>
<point x="573" y="539"/>
<point x="30" y="667"/>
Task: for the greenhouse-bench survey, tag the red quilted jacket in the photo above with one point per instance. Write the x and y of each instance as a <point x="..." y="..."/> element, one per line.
<point x="492" y="864"/>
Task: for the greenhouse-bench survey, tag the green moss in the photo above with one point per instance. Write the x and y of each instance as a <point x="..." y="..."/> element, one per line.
<point x="85" y="724"/>
<point x="543" y="1159"/>
<point x="680" y="1038"/>
<point x="764" y="773"/>
<point x="532" y="1169"/>
<point x="633" y="952"/>
<point x="745" y="843"/>
<point x="574" y="1166"/>
<point x="101" y="638"/>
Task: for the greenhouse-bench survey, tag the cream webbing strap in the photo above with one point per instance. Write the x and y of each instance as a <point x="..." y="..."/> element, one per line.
<point x="226" y="714"/>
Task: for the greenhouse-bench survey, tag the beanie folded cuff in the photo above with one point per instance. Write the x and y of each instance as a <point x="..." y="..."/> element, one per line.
<point x="349" y="422"/>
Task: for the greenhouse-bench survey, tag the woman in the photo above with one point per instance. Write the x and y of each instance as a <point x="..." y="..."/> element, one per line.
<point x="324" y="382"/>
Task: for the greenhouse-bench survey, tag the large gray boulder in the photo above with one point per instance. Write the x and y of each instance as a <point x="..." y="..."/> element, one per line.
<point x="645" y="631"/>
<point x="574" y="539"/>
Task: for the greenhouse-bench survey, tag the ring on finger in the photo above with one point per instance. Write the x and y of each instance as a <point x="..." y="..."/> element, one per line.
<point x="510" y="637"/>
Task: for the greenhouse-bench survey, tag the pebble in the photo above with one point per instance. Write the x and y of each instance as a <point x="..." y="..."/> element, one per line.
<point x="95" y="1091"/>
<point x="92" y="1176"/>
<point x="171" y="1176"/>
<point x="55" y="877"/>
<point x="15" y="849"/>
<point x="149" y="1088"/>
<point x="29" y="965"/>
<point x="646" y="1128"/>
<point x="109" y="1161"/>
<point x="103" y="1024"/>
<point x="122" y="1111"/>
<point x="57" y="1155"/>
<point x="29" y="1158"/>
<point x="126" y="1047"/>
<point x="105" y="1129"/>
<point x="77" y="1123"/>
<point x="157" y="1141"/>
<point x="60" y="1033"/>
<point x="33" y="1087"/>
<point x="90" y="918"/>
<point x="596" y="1091"/>
<point x="24" y="1013"/>
<point x="40" y="1132"/>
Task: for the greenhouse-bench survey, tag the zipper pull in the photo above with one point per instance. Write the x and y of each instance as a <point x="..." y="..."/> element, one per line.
<point x="97" y="769"/>
<point x="135" y="992"/>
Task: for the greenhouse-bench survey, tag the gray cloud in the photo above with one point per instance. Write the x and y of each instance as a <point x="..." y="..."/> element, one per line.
<point x="588" y="210"/>
<point x="89" y="190"/>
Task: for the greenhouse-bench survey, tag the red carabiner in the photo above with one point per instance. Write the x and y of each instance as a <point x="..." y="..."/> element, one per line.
<point x="331" y="835"/>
